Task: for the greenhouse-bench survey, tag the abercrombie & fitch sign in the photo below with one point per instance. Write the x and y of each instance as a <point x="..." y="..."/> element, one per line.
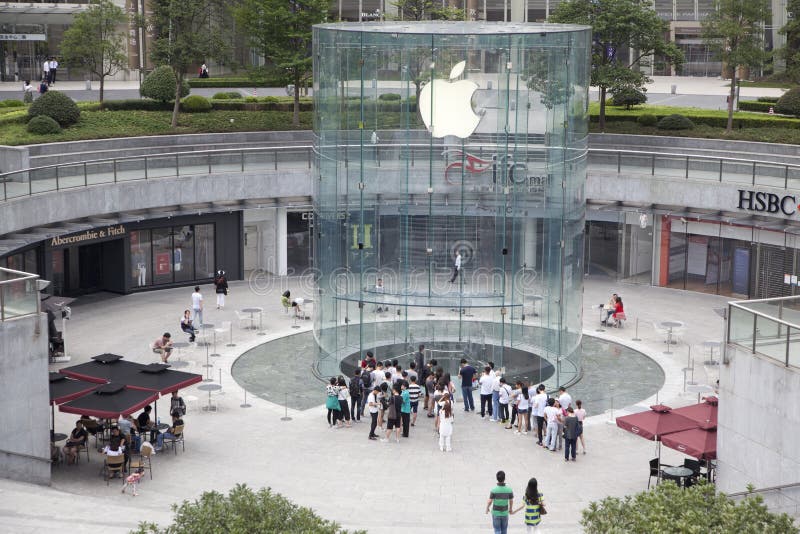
<point x="760" y="201"/>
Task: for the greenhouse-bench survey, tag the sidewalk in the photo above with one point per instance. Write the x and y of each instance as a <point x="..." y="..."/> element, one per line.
<point x="432" y="492"/>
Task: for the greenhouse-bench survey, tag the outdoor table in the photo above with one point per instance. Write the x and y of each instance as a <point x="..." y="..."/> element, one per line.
<point x="253" y="311"/>
<point x="677" y="473"/>
<point x="711" y="345"/>
<point x="57" y="436"/>
<point x="206" y="326"/>
<point x="668" y="326"/>
<point x="179" y="345"/>
<point x="162" y="426"/>
<point x="699" y="389"/>
<point x="209" y="388"/>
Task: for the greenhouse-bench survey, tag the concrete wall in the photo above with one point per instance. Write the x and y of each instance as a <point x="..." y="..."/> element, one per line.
<point x="759" y="427"/>
<point x="24" y="398"/>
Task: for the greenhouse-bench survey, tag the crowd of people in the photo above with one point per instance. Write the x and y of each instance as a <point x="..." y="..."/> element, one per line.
<point x="394" y="397"/>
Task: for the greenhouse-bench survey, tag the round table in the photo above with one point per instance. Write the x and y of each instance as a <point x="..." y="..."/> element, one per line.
<point x="677" y="473"/>
<point x="711" y="345"/>
<point x="209" y="388"/>
<point x="55" y="437"/>
<point x="180" y="345"/>
<point x="253" y="311"/>
<point x="162" y="426"/>
<point x="668" y="326"/>
<point x="699" y="389"/>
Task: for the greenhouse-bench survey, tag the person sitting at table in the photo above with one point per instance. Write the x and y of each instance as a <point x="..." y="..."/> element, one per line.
<point x="144" y="423"/>
<point x="163" y="346"/>
<point x="618" y="309"/>
<point x="116" y="446"/>
<point x="608" y="308"/>
<point x="76" y="439"/>
<point x="186" y="325"/>
<point x="170" y="432"/>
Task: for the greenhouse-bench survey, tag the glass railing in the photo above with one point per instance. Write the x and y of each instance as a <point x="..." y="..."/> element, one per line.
<point x="387" y="157"/>
<point x="19" y="294"/>
<point x="770" y="327"/>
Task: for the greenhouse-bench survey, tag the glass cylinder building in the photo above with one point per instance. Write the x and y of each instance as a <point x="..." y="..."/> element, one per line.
<point x="449" y="204"/>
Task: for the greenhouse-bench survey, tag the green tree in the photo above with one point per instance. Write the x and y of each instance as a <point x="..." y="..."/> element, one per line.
<point x="243" y="511"/>
<point x="620" y="25"/>
<point x="734" y="31"/>
<point x="95" y="41"/>
<point x="417" y="10"/>
<point x="281" y="32"/>
<point x="187" y="32"/>
<point x="668" y="508"/>
<point x="791" y="52"/>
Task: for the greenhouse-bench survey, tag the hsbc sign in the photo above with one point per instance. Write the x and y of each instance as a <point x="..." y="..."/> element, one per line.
<point x="762" y="202"/>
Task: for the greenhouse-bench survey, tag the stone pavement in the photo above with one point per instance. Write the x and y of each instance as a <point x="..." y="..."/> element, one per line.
<point x="340" y="473"/>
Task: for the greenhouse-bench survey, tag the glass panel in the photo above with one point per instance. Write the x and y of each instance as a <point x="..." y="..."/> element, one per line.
<point x="140" y="258"/>
<point x="42" y="180"/>
<point x="31" y="262"/>
<point x="470" y="209"/>
<point x="204" y="251"/>
<point x="19" y="298"/>
<point x="226" y="161"/>
<point x="16" y="184"/>
<point x="193" y="164"/>
<point x="134" y="169"/>
<point x="57" y="263"/>
<point x="770" y="175"/>
<point x="103" y="172"/>
<point x="741" y="327"/>
<point x="794" y="347"/>
<point x="298" y="242"/>
<point x="183" y="254"/>
<point x="162" y="255"/>
<point x="161" y="166"/>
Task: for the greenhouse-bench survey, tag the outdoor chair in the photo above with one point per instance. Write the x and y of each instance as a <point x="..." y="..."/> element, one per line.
<point x="114" y="464"/>
<point x="245" y="320"/>
<point x="655" y="470"/>
<point x="84" y="447"/>
<point x="177" y="439"/>
<point x="143" y="460"/>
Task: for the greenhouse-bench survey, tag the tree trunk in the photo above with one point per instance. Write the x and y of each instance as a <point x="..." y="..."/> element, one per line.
<point x="176" y="109"/>
<point x="102" y="81"/>
<point x="732" y="95"/>
<point x="602" y="119"/>
<point x="296" y="110"/>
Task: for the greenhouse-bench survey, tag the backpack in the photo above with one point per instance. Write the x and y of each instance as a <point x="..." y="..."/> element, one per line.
<point x="355" y="387"/>
<point x="393" y="409"/>
<point x="366" y="378"/>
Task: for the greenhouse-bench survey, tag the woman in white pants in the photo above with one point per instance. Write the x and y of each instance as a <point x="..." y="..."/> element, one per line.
<point x="445" y="424"/>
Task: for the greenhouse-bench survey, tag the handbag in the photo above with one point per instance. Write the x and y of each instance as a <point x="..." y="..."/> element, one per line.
<point x="542" y="510"/>
<point x="332" y="403"/>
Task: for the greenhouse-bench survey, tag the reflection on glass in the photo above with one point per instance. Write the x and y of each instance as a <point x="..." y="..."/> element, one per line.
<point x="162" y="255"/>
<point x="183" y="254"/>
<point x="204" y="250"/>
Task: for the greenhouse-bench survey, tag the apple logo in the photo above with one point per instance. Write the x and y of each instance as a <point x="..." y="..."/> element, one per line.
<point x="446" y="106"/>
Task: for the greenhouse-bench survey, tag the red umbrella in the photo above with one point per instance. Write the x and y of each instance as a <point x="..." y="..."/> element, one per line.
<point x="658" y="421"/>
<point x="704" y="412"/>
<point x="109" y="401"/>
<point x="700" y="443"/>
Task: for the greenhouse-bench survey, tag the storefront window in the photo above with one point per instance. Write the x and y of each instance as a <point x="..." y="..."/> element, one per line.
<point x="183" y="254"/>
<point x="162" y="255"/>
<point x="31" y="262"/>
<point x="298" y="241"/>
<point x="57" y="261"/>
<point x="204" y="251"/>
<point x="141" y="271"/>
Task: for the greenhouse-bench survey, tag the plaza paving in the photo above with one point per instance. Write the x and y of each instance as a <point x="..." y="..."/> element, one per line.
<point x="381" y="487"/>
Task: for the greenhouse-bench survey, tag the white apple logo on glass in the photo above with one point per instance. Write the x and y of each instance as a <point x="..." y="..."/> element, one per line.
<point x="446" y="106"/>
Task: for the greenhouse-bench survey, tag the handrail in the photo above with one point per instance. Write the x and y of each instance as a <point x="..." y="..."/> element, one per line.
<point x="28" y="456"/>
<point x="782" y="172"/>
<point x="764" y="315"/>
<point x="762" y="490"/>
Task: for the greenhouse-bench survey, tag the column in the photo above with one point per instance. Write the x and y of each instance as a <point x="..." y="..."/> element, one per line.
<point x="280" y="242"/>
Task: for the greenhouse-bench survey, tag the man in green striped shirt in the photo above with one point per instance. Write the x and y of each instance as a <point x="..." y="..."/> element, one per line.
<point x="501" y="501"/>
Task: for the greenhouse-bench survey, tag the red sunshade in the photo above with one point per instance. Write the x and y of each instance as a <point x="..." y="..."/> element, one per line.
<point x="112" y="368"/>
<point x="109" y="401"/>
<point x="158" y="377"/>
<point x="63" y="389"/>
<point x="700" y="443"/>
<point x="704" y="412"/>
<point x="658" y="421"/>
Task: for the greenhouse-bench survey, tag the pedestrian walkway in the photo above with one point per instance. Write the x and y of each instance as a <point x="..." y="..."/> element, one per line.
<point x="432" y="492"/>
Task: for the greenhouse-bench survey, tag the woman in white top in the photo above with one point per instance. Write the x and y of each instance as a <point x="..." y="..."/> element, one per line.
<point x="523" y="409"/>
<point x="505" y="396"/>
<point x="580" y="413"/>
<point x="27" y="92"/>
<point x="445" y="423"/>
<point x="344" y="410"/>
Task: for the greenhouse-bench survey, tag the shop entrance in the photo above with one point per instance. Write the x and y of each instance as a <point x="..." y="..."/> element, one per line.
<point x="84" y="269"/>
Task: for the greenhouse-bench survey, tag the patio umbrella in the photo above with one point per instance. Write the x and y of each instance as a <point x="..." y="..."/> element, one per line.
<point x="159" y="377"/>
<point x="700" y="443"/>
<point x="705" y="411"/>
<point x="654" y="424"/>
<point x="109" y="401"/>
<point x="64" y="389"/>
<point x="103" y="368"/>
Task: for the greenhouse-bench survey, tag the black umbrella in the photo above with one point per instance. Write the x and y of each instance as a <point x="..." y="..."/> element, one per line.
<point x="103" y="368"/>
<point x="64" y="389"/>
<point x="109" y="401"/>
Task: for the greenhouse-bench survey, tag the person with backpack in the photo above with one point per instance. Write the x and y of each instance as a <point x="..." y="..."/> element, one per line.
<point x="344" y="407"/>
<point x="332" y="401"/>
<point x="393" y="414"/>
<point x="356" y="392"/>
<point x="373" y="405"/>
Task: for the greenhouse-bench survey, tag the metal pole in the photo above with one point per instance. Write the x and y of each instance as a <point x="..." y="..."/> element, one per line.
<point x="261" y="324"/>
<point x="245" y="405"/>
<point x="208" y="367"/>
<point x="286" y="408"/>
<point x="231" y="344"/>
<point x="636" y="334"/>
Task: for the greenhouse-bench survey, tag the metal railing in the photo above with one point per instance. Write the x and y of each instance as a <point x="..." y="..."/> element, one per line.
<point x="63" y="176"/>
<point x="19" y="294"/>
<point x="770" y="327"/>
<point x="764" y="490"/>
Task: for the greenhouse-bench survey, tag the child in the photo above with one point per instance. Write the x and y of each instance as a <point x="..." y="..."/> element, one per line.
<point x="132" y="480"/>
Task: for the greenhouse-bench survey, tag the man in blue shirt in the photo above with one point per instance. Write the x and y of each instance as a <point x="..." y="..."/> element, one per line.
<point x="466" y="373"/>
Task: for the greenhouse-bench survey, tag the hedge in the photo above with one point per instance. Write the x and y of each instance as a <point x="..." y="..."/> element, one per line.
<point x="11" y="103"/>
<point x="708" y="118"/>
<point x="234" y="82"/>
<point x="759" y="106"/>
<point x="136" y="104"/>
<point x="772" y="99"/>
<point x="195" y="104"/>
<point x="227" y="95"/>
<point x="43" y="125"/>
<point x="56" y="105"/>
